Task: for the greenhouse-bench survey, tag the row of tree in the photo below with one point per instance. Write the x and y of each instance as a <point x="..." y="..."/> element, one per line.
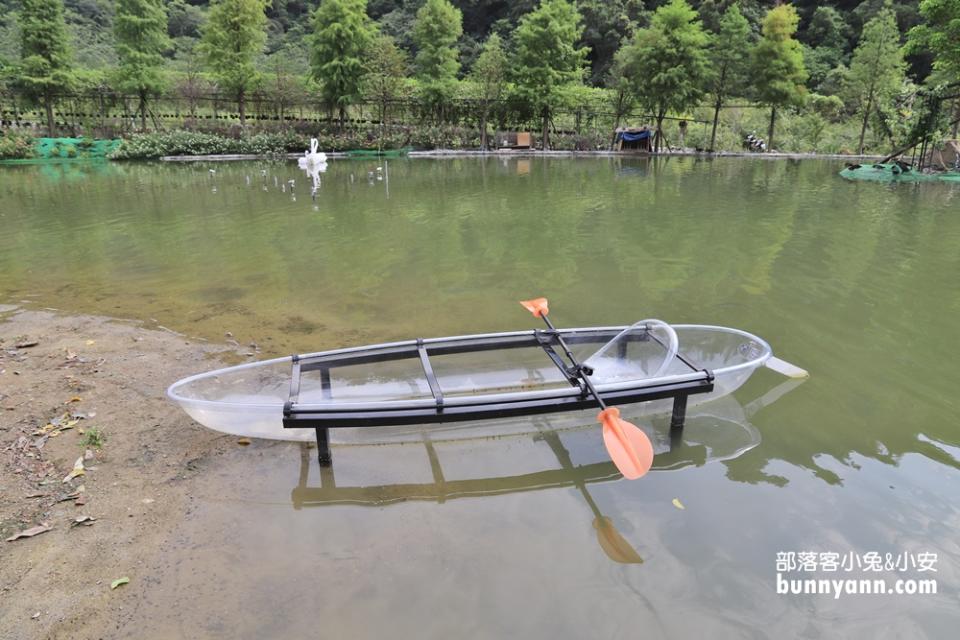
<point x="675" y="61"/>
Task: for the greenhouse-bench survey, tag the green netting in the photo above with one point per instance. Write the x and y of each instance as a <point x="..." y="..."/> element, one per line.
<point x="895" y="173"/>
<point x="46" y="148"/>
<point x="364" y="153"/>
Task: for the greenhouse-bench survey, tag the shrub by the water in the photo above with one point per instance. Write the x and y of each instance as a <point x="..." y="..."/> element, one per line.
<point x="15" y="146"/>
<point x="217" y="141"/>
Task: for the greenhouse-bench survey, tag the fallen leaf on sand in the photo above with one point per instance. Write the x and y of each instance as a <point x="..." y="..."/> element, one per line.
<point x="243" y="441"/>
<point x="29" y="533"/>
<point x="678" y="504"/>
<point x="78" y="470"/>
<point x="73" y="399"/>
<point x="119" y="581"/>
<point x="86" y="521"/>
<point x="90" y="343"/>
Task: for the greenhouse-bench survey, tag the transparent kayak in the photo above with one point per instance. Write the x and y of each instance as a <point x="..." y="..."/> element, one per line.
<point x="469" y="385"/>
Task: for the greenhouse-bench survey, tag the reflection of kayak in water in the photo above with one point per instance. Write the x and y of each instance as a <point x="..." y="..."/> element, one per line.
<point x="542" y="457"/>
<point x="431" y="469"/>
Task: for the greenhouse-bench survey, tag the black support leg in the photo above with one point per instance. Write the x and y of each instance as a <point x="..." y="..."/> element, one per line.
<point x="679" y="412"/>
<point x="324" y="456"/>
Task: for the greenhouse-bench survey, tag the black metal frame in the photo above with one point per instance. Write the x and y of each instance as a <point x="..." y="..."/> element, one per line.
<point x="375" y="414"/>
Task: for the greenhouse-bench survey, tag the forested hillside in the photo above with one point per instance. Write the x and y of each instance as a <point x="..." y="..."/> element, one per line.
<point x="828" y="30"/>
<point x="844" y="75"/>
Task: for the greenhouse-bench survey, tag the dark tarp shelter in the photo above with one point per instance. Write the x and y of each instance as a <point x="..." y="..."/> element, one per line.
<point x="634" y="139"/>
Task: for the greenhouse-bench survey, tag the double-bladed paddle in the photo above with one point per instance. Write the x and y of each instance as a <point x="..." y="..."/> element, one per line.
<point x="629" y="447"/>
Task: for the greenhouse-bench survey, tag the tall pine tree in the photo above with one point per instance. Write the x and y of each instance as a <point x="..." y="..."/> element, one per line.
<point x="44" y="54"/>
<point x="730" y="59"/>
<point x="386" y="69"/>
<point x="436" y="31"/>
<point x="547" y="60"/>
<point x="877" y="70"/>
<point x="234" y="35"/>
<point x="342" y="33"/>
<point x="488" y="77"/>
<point x="669" y="63"/>
<point x="776" y="64"/>
<point x="140" y="33"/>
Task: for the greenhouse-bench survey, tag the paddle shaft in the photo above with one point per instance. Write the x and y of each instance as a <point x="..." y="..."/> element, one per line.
<point x="576" y="363"/>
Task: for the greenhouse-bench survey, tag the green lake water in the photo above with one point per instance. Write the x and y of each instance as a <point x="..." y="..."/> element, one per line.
<point x="858" y="283"/>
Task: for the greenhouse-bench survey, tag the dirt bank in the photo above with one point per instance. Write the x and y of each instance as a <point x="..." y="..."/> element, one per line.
<point x="63" y="381"/>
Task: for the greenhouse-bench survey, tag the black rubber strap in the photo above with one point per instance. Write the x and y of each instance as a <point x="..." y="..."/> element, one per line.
<point x="546" y="341"/>
<point x="428" y="372"/>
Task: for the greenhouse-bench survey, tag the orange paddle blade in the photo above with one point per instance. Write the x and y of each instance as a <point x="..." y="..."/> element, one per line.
<point x="537" y="306"/>
<point x="628" y="446"/>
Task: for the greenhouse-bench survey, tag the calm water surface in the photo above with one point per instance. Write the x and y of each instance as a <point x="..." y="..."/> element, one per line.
<point x="511" y="537"/>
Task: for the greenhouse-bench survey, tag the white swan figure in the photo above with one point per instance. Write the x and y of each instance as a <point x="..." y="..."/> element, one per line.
<point x="312" y="158"/>
<point x="313" y="163"/>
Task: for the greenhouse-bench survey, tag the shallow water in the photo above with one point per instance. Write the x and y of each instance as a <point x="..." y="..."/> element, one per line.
<point x="855" y="282"/>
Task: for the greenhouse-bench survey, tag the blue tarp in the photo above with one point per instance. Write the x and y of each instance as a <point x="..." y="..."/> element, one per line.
<point x="634" y="137"/>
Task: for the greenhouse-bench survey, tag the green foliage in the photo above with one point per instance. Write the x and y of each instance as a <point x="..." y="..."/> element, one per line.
<point x="668" y="62"/>
<point x="826" y="44"/>
<point x="729" y="76"/>
<point x="288" y="54"/>
<point x="547" y="57"/>
<point x="488" y="80"/>
<point x="398" y="23"/>
<point x="140" y="30"/>
<point x="939" y="35"/>
<point x="233" y="36"/>
<point x="777" y="66"/>
<point x="621" y="96"/>
<point x="819" y="62"/>
<point x="830" y="107"/>
<point x="437" y="28"/>
<point x="93" y="437"/>
<point x="183" y="19"/>
<point x="606" y="24"/>
<point x="489" y="73"/>
<point x="341" y="37"/>
<point x="157" y="145"/>
<point x="877" y="70"/>
<point x="387" y="68"/>
<point x="828" y="28"/>
<point x="777" y="60"/>
<point x="45" y="55"/>
<point x="15" y="146"/>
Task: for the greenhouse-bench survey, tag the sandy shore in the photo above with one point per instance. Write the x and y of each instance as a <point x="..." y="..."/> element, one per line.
<point x="60" y="378"/>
